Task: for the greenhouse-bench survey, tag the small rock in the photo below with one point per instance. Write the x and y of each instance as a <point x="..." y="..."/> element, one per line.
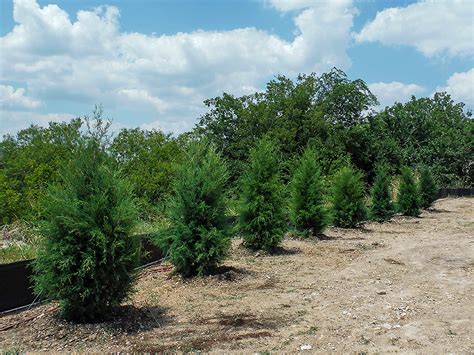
<point x="381" y="292"/>
<point x="257" y="254"/>
<point x="306" y="347"/>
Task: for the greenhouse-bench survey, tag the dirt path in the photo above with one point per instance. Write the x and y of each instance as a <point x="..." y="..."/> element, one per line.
<point x="406" y="285"/>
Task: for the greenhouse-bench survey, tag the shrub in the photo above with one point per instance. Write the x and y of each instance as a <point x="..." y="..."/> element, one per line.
<point x="408" y="194"/>
<point x="261" y="218"/>
<point x="29" y="161"/>
<point x="307" y="209"/>
<point x="198" y="237"/>
<point x="348" y="198"/>
<point x="149" y="160"/>
<point x="427" y="187"/>
<point x="87" y="256"/>
<point x="382" y="207"/>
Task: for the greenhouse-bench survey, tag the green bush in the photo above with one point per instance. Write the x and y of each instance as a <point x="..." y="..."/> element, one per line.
<point x="198" y="238"/>
<point x="149" y="160"/>
<point x="261" y="217"/>
<point x="381" y="208"/>
<point x="427" y="187"/>
<point x="408" y="194"/>
<point x="348" y="198"/>
<point x="87" y="256"/>
<point x="307" y="209"/>
<point x="29" y="161"/>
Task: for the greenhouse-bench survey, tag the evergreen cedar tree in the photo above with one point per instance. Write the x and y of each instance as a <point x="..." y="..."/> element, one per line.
<point x="408" y="194"/>
<point x="382" y="207"/>
<point x="198" y="238"/>
<point x="87" y="257"/>
<point x="261" y="217"/>
<point x="427" y="186"/>
<point x="307" y="205"/>
<point x="348" y="200"/>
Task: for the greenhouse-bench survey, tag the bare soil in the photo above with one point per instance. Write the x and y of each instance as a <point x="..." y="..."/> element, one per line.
<point x="406" y="285"/>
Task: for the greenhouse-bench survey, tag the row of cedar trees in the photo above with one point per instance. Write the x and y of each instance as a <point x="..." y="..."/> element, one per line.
<point x="88" y="257"/>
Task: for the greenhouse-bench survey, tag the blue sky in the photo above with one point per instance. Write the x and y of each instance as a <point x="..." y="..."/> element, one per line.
<point x="152" y="63"/>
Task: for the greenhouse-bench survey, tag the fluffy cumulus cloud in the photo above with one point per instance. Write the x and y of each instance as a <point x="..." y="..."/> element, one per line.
<point x="433" y="27"/>
<point x="15" y="98"/>
<point x="88" y="59"/>
<point x="389" y="93"/>
<point x="461" y="87"/>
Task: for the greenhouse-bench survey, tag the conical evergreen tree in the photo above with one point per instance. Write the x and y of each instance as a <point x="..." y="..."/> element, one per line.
<point x="348" y="198"/>
<point x="427" y="187"/>
<point x="382" y="207"/>
<point x="261" y="218"/>
<point x="408" y="194"/>
<point x="87" y="257"/>
<point x="307" y="209"/>
<point x="199" y="237"/>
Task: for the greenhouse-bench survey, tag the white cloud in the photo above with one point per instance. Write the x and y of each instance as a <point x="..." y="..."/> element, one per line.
<point x="433" y="27"/>
<point x="389" y="93"/>
<point x="89" y="60"/>
<point x="143" y="97"/>
<point x="461" y="87"/>
<point x="174" y="126"/>
<point x="12" y="121"/>
<point x="15" y="98"/>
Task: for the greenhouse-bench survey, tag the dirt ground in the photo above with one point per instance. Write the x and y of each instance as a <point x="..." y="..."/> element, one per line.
<point x="406" y="285"/>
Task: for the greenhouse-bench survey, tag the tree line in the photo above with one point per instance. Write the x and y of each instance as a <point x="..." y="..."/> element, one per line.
<point x="330" y="113"/>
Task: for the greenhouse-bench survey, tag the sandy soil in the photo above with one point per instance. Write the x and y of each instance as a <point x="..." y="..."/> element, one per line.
<point x="406" y="285"/>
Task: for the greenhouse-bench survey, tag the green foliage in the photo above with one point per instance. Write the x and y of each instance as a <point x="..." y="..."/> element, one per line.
<point x="307" y="207"/>
<point x="198" y="238"/>
<point x="433" y="131"/>
<point x="408" y="194"/>
<point x="342" y="100"/>
<point x="427" y="187"/>
<point x="336" y="113"/>
<point x="261" y="218"/>
<point x="330" y="112"/>
<point x="382" y="207"/>
<point x="290" y="114"/>
<point x="87" y="257"/>
<point x="29" y="162"/>
<point x="348" y="198"/>
<point x="149" y="160"/>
